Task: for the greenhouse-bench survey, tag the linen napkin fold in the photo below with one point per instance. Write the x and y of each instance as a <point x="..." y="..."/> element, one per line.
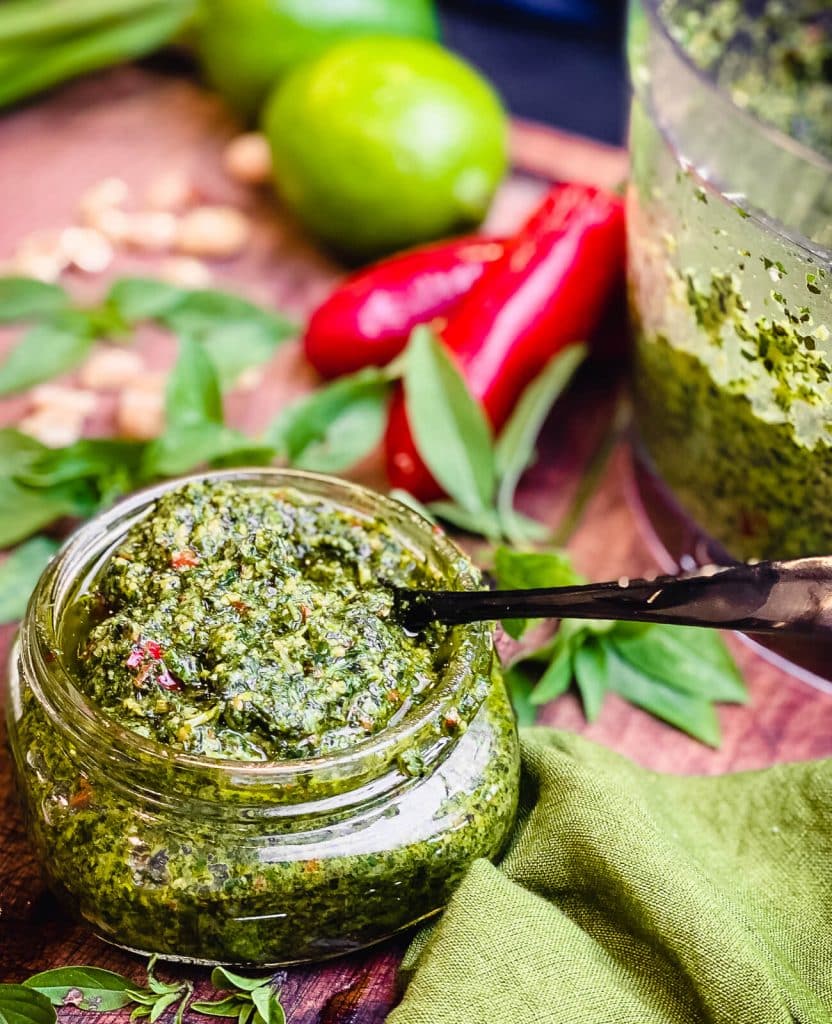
<point x="630" y="897"/>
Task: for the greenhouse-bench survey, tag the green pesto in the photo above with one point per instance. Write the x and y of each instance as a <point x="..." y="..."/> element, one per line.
<point x="777" y="64"/>
<point x="196" y="864"/>
<point x="253" y="626"/>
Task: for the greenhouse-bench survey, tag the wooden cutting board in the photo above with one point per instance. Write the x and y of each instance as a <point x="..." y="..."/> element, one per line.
<point x="135" y="124"/>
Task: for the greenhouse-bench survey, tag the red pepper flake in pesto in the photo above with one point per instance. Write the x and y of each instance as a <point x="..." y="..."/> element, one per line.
<point x="166" y="681"/>
<point x="187" y="558"/>
<point x="153" y="649"/>
<point x="82" y="796"/>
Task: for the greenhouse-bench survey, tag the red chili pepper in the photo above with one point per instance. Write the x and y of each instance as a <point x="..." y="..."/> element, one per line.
<point x="547" y="291"/>
<point x="368" y="319"/>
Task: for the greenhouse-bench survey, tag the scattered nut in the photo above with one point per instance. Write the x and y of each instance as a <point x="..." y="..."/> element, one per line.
<point x="185" y="271"/>
<point x="87" y="249"/>
<point x="153" y="230"/>
<point x="213" y="231"/>
<point x="107" y="193"/>
<point x="250" y="378"/>
<point x="170" y="191"/>
<point x="150" y="380"/>
<point x="40" y="255"/>
<point x="141" y="414"/>
<point x="110" y="222"/>
<point x="110" y="368"/>
<point x="248" y="159"/>
<point x="64" y="400"/>
<point x="52" y="427"/>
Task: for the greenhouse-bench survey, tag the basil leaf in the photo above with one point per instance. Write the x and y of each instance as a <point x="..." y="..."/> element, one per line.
<point x="222" y="978"/>
<point x="192" y="394"/>
<point x="692" y="715"/>
<point x="143" y="298"/>
<point x="191" y="445"/>
<point x="99" y="990"/>
<point x="17" y="451"/>
<point x="26" y="510"/>
<point x="520" y="687"/>
<point x="22" y="1005"/>
<point x="162" y="1003"/>
<point x="521" y="570"/>
<point x="90" y="457"/>
<point x="590" y="667"/>
<point x="26" y="298"/>
<point x="268" y="1006"/>
<point x="478" y="521"/>
<point x="556" y="679"/>
<point x="247" y="1011"/>
<point x="45" y="351"/>
<point x="449" y="426"/>
<point x="234" y="348"/>
<point x="19" y="573"/>
<point x="228" y="1007"/>
<point x="687" y="658"/>
<point x="334" y="427"/>
<point x="514" y="450"/>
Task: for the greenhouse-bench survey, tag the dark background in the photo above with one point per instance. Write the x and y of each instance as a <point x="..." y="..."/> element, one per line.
<point x="557" y="61"/>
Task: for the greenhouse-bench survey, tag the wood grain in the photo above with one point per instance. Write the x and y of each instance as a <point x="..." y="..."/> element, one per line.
<point x="135" y="124"/>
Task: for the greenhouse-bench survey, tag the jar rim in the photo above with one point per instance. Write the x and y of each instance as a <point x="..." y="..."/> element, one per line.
<point x="779" y="138"/>
<point x="40" y="634"/>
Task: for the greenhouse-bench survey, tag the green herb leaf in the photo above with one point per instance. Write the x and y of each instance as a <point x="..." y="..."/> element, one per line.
<point x="687" y="658"/>
<point x="90" y="988"/>
<point x="26" y="298"/>
<point x="449" y="427"/>
<point x="18" y="451"/>
<point x="515" y="448"/>
<point x="228" y="1007"/>
<point x="222" y="978"/>
<point x="590" y="668"/>
<point x="192" y="394"/>
<point x="557" y="676"/>
<point x="93" y="458"/>
<point x="521" y="570"/>
<point x="185" y="448"/>
<point x="334" y="427"/>
<point x="692" y="715"/>
<point x="19" y="573"/>
<point x="247" y="1011"/>
<point x="143" y="298"/>
<point x="269" y="1009"/>
<point x="162" y="1003"/>
<point x="22" y="1005"/>
<point x="483" y="522"/>
<point x="235" y="333"/>
<point x="26" y="510"/>
<point x="520" y="687"/>
<point x="46" y="350"/>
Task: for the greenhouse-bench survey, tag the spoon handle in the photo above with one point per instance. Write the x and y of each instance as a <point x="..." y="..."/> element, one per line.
<point x="764" y="597"/>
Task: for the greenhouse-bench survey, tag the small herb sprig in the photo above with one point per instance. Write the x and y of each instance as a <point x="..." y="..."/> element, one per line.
<point x="676" y="673"/>
<point x="453" y="436"/>
<point x="96" y="990"/>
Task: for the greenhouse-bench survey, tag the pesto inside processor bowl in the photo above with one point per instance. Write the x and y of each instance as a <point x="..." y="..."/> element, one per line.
<point x="227" y="751"/>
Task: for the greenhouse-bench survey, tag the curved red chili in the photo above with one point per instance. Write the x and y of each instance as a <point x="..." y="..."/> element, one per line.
<point x="368" y="319"/>
<point x="547" y="291"/>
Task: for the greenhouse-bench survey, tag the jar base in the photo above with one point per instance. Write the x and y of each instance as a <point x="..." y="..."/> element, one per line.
<point x="678" y="543"/>
<point x="173" y="958"/>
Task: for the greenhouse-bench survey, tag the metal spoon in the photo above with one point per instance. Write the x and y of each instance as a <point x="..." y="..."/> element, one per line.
<point x="763" y="597"/>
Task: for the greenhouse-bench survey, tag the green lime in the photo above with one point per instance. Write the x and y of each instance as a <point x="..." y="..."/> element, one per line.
<point x="246" y="46"/>
<point x="381" y="143"/>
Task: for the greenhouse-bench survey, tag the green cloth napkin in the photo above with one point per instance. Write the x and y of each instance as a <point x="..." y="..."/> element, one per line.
<point x="631" y="897"/>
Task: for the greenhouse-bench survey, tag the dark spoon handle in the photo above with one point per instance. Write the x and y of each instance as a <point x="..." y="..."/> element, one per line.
<point x="765" y="597"/>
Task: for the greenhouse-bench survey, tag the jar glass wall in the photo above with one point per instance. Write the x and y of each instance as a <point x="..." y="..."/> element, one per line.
<point x="730" y="228"/>
<point x="257" y="862"/>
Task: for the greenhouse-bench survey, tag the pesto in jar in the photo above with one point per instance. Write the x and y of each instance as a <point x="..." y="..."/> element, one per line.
<point x="174" y="835"/>
<point x="253" y="626"/>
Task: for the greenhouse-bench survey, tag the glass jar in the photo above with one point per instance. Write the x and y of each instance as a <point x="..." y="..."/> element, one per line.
<point x="730" y="228"/>
<point x="209" y="860"/>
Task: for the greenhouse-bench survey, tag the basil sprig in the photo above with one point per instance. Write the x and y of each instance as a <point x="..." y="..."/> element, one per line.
<point x="93" y="989"/>
<point x="454" y="438"/>
<point x="676" y="673"/>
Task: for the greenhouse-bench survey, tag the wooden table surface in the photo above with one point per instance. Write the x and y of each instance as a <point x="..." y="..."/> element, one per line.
<point x="136" y="124"/>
